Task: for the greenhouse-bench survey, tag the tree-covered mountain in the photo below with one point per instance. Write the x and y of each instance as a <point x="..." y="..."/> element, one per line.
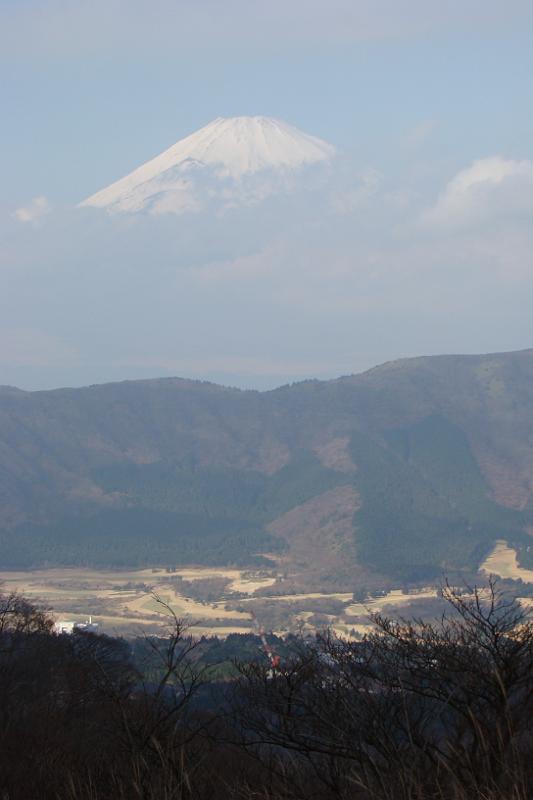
<point x="409" y="470"/>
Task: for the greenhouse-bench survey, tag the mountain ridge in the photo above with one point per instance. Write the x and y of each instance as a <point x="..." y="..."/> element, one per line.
<point x="345" y="376"/>
<point x="430" y="458"/>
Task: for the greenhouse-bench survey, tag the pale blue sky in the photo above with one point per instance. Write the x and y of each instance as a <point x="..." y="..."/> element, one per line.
<point x="413" y="91"/>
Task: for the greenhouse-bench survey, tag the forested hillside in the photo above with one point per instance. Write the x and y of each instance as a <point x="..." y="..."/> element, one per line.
<point x="408" y="470"/>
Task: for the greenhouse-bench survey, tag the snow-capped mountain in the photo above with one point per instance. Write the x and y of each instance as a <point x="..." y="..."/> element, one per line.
<point x="230" y="161"/>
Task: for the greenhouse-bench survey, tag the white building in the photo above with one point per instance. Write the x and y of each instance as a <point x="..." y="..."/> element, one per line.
<point x="69" y="626"/>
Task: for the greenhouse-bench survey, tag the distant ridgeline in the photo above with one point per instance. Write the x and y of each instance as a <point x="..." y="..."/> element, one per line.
<point x="409" y="470"/>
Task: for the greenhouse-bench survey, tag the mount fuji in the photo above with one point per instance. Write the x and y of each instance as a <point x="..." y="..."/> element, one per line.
<point x="229" y="162"/>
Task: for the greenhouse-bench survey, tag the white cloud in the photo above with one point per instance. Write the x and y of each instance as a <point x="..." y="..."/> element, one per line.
<point x="491" y="189"/>
<point x="38" y="208"/>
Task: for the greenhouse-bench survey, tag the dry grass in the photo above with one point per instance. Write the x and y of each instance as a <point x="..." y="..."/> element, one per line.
<point x="395" y="598"/>
<point x="121" y="600"/>
<point x="504" y="563"/>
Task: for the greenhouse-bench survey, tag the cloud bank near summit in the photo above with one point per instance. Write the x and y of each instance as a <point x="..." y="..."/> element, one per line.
<point x="331" y="278"/>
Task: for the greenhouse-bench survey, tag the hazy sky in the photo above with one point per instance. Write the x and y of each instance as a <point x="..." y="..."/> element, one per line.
<point x="421" y="243"/>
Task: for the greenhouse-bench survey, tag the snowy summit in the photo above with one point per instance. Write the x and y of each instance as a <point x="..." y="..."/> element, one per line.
<point x="235" y="157"/>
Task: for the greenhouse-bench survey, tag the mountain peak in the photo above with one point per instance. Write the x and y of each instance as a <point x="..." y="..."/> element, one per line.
<point x="243" y="145"/>
<point x="233" y="149"/>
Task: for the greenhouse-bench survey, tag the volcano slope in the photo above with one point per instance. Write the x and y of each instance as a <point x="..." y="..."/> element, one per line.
<point x="405" y="472"/>
<point x="235" y="161"/>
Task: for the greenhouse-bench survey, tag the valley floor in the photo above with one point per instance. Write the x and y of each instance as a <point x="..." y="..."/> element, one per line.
<point x="220" y="601"/>
<point x="213" y="601"/>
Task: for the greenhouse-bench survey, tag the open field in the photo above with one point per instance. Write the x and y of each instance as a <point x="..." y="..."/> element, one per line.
<point x="504" y="563"/>
<point x="395" y="599"/>
<point x="123" y="601"/>
<point x="342" y="596"/>
<point x="212" y="600"/>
